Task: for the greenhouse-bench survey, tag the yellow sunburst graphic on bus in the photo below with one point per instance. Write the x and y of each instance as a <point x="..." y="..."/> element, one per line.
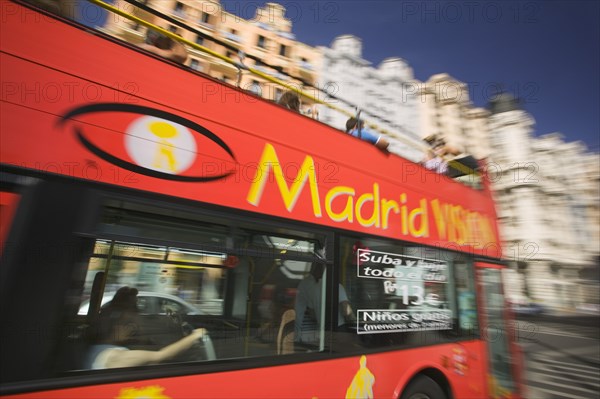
<point x="151" y="392"/>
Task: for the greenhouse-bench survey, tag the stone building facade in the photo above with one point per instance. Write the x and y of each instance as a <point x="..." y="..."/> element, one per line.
<point x="267" y="36"/>
<point x="548" y="197"/>
<point x="386" y="95"/>
<point x="446" y="110"/>
<point x="547" y="192"/>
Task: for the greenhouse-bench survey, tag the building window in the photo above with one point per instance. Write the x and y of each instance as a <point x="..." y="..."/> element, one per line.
<point x="232" y="34"/>
<point x="305" y="64"/>
<point x="256" y="88"/>
<point x="261" y="42"/>
<point x="205" y="18"/>
<point x="283" y="50"/>
<point x="178" y="7"/>
<point x="173" y="29"/>
<point x="195" y="65"/>
<point x="199" y="40"/>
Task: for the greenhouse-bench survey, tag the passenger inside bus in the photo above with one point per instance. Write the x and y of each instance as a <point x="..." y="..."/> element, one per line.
<point x="118" y="327"/>
<point x="309" y="306"/>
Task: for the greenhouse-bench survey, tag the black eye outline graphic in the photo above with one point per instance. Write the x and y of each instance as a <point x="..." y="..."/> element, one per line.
<point x="139" y="109"/>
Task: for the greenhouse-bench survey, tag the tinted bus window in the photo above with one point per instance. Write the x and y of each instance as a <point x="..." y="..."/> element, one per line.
<point x="181" y="272"/>
<point x="500" y="356"/>
<point x="402" y="295"/>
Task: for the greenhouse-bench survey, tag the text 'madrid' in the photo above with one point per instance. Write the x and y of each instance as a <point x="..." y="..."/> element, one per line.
<point x="430" y="218"/>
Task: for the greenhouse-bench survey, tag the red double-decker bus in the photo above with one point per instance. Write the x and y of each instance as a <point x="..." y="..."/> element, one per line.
<point x="267" y="255"/>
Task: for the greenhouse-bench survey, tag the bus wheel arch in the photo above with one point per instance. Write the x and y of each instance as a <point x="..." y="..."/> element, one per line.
<point x="428" y="383"/>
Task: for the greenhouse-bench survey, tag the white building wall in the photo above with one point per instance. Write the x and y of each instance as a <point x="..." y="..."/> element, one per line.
<point x="543" y="193"/>
<point x="387" y="96"/>
<point x="445" y="110"/>
<point x="547" y="191"/>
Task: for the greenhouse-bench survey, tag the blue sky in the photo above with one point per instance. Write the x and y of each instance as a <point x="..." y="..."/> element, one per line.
<point x="546" y="52"/>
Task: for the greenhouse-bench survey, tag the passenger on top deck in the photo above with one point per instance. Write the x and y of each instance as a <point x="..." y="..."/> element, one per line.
<point x="312" y="111"/>
<point x="436" y="158"/>
<point x="356" y="128"/>
<point x="290" y="100"/>
<point x="164" y="46"/>
<point x="64" y="8"/>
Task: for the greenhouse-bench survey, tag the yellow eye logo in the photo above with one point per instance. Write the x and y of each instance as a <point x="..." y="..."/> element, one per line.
<point x="159" y="144"/>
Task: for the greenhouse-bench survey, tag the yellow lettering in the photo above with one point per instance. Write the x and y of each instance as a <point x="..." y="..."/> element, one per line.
<point x="347" y="213"/>
<point x="473" y="230"/>
<point x="455" y="230"/>
<point x="404" y="214"/>
<point x="372" y="197"/>
<point x="440" y="215"/>
<point x="453" y="222"/>
<point x="269" y="162"/>
<point x="421" y="211"/>
<point x="488" y="235"/>
<point x="386" y="207"/>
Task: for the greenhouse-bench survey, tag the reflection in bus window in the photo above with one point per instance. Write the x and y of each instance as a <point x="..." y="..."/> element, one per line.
<point x="192" y="272"/>
<point x="467" y="304"/>
<point x="309" y="306"/>
<point x="405" y="295"/>
<point x="500" y="360"/>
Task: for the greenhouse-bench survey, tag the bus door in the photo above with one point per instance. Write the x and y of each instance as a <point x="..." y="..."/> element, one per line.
<point x="497" y="329"/>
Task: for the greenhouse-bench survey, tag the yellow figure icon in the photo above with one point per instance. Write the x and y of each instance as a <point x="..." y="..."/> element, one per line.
<point x="164" y="131"/>
<point x="362" y="383"/>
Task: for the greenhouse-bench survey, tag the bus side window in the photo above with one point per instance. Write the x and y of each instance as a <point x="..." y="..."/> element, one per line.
<point x="189" y="272"/>
<point x="467" y="304"/>
<point x="403" y="295"/>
